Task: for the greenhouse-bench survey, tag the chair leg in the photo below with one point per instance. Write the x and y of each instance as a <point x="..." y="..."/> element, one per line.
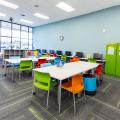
<point x="74" y="103"/>
<point x="33" y="90"/>
<point x="19" y="74"/>
<point x="47" y="99"/>
<point x="84" y="95"/>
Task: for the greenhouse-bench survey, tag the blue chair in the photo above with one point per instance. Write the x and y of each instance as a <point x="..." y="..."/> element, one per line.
<point x="45" y="65"/>
<point x="90" y="84"/>
<point x="56" y="61"/>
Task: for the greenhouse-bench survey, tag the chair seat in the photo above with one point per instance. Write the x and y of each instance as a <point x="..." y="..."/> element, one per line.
<point x="44" y="86"/>
<point x="24" y="68"/>
<point x="68" y="86"/>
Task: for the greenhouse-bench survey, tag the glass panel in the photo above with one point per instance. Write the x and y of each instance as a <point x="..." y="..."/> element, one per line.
<point x="24" y="43"/>
<point x="15" y="26"/>
<point x="24" y="35"/>
<point x="24" y="28"/>
<point x="6" y="32"/>
<point x="5" y="43"/>
<point x="6" y="24"/>
<point x="16" y="33"/>
<point x="16" y="43"/>
<point x="30" y="35"/>
<point x="30" y="30"/>
<point x="30" y="44"/>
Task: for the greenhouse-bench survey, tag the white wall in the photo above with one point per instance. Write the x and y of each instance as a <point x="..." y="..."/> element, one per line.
<point x="89" y="33"/>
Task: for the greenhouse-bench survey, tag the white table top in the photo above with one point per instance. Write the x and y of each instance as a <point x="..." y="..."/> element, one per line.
<point x="97" y="60"/>
<point x="34" y="59"/>
<point x="68" y="70"/>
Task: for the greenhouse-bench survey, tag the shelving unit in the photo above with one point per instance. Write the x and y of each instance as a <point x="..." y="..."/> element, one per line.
<point x="10" y="53"/>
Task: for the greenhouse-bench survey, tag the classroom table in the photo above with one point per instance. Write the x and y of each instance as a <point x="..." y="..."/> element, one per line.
<point x="67" y="71"/>
<point x="14" y="61"/>
<point x="98" y="60"/>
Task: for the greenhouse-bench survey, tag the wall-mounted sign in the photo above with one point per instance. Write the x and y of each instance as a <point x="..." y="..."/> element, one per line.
<point x="110" y="50"/>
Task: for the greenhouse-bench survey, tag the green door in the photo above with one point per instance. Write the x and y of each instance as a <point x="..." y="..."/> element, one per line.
<point x="110" y="67"/>
<point x="118" y="60"/>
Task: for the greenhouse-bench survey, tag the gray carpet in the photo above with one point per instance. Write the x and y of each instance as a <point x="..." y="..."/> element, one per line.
<point x="17" y="102"/>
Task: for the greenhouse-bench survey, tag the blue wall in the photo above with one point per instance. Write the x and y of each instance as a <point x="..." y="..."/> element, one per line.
<point x="83" y="33"/>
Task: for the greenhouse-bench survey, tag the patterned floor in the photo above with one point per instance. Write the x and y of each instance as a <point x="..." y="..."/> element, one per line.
<point x="17" y="102"/>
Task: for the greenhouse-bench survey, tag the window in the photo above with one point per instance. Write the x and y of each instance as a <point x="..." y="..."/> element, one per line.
<point x="5" y="43"/>
<point x="15" y="36"/>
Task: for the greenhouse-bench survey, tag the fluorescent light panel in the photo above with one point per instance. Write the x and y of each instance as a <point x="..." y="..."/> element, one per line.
<point x="8" y="4"/>
<point x="64" y="6"/>
<point x="2" y="14"/>
<point x="26" y="21"/>
<point x="41" y="16"/>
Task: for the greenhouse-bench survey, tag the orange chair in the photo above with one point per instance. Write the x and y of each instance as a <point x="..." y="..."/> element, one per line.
<point x="75" y="86"/>
<point x="48" y="54"/>
<point x="75" y="59"/>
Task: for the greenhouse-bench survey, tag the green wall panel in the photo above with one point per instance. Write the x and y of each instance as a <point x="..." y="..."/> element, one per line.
<point x="118" y="60"/>
<point x="110" y="67"/>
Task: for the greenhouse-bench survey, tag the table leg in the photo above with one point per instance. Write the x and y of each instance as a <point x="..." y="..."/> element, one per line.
<point x="93" y="71"/>
<point x="59" y="97"/>
<point x="13" y="73"/>
<point x="5" y="67"/>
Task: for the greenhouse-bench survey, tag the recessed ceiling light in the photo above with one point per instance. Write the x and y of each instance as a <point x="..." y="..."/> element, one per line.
<point x="41" y="16"/>
<point x="26" y="21"/>
<point x="23" y="15"/>
<point x="8" y="4"/>
<point x="36" y="6"/>
<point x="2" y="14"/>
<point x="64" y="6"/>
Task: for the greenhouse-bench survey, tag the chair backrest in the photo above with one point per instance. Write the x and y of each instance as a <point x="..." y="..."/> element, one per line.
<point x="89" y="56"/>
<point x="64" y="57"/>
<point x="29" y="53"/>
<point x="98" y="56"/>
<point x="41" y="61"/>
<point x="48" y="54"/>
<point x="75" y="59"/>
<point x="54" y="55"/>
<point x="35" y="52"/>
<point x="80" y="54"/>
<point x="42" y="78"/>
<point x="52" y="52"/>
<point x="92" y="60"/>
<point x="99" y="70"/>
<point x="43" y="55"/>
<point x="26" y="65"/>
<point x="56" y="60"/>
<point x="68" y="53"/>
<point x="59" y="52"/>
<point x="45" y="65"/>
<point x="77" y="80"/>
<point x="39" y="51"/>
<point x="44" y="51"/>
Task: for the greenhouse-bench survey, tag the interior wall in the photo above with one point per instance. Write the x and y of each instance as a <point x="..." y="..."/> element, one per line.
<point x="88" y="33"/>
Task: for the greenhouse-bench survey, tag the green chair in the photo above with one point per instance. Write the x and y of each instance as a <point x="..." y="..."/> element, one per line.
<point x="25" y="65"/>
<point x="43" y="55"/>
<point x="44" y="82"/>
<point x="92" y="60"/>
<point x="64" y="57"/>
